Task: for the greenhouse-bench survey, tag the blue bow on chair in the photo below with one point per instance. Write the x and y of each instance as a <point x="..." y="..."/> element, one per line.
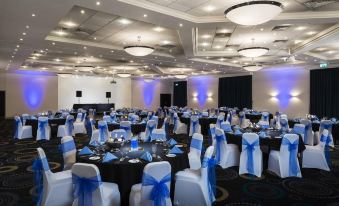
<point x="327" y="126"/>
<point x="293" y="149"/>
<point x="150" y="130"/>
<point x="38" y="166"/>
<point x="307" y="127"/>
<point x="219" y="139"/>
<point x="84" y="187"/>
<point x="160" y="190"/>
<point x="241" y="118"/>
<point x="42" y="126"/>
<point x="194" y="126"/>
<point x="326" y="140"/>
<point x="70" y="126"/>
<point x="265" y="117"/>
<point x="102" y="132"/>
<point x="175" y="123"/>
<point x="230" y="118"/>
<point x="196" y="143"/>
<point x="17" y="125"/>
<point x="82" y="116"/>
<point x="250" y="150"/>
<point x="210" y="163"/>
<point x="67" y="146"/>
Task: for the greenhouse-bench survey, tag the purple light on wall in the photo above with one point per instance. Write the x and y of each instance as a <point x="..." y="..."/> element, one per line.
<point x="148" y="89"/>
<point x="200" y="85"/>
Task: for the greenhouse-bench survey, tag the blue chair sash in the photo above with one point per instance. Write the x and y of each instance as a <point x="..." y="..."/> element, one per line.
<point x="265" y="117"/>
<point x="84" y="187"/>
<point x="293" y="149"/>
<point x="69" y="126"/>
<point x="82" y="116"/>
<point x="150" y="130"/>
<point x="241" y="118"/>
<point x="327" y="140"/>
<point x="175" y="123"/>
<point x="307" y="127"/>
<point x="194" y="126"/>
<point x="159" y="191"/>
<point x="196" y="143"/>
<point x="210" y="163"/>
<point x="230" y="118"/>
<point x="67" y="146"/>
<point x="17" y="125"/>
<point x="327" y="126"/>
<point x="250" y="150"/>
<point x="37" y="168"/>
<point x="42" y="128"/>
<point x="219" y="139"/>
<point x="102" y="132"/>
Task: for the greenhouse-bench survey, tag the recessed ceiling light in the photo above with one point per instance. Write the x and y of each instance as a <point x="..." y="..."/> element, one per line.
<point x="33" y="15"/>
<point x="262" y="29"/>
<point x="98" y="3"/>
<point x="34" y="57"/>
<point x="204" y="44"/>
<point x="131" y="61"/>
<point x="57" y="60"/>
<point x="145" y="15"/>
<point x="18" y="46"/>
<point x="43" y="68"/>
<point x="125" y="21"/>
<point x="181" y="25"/>
<point x="209" y="8"/>
<point x="330" y="52"/>
<point x="24" y="33"/>
<point x="297" y="41"/>
<point x="300" y="28"/>
<point x="85" y="47"/>
<point x="15" y="49"/>
<point x="95" y="38"/>
<point x="60" y="32"/>
<point x="21" y="39"/>
<point x="112" y="51"/>
<point x="165" y="42"/>
<point x="27" y="27"/>
<point x="217" y="47"/>
<point x="69" y="24"/>
<point x="158" y="29"/>
<point x="12" y="56"/>
<point x="310" y="32"/>
<point x="206" y="36"/>
<point x="61" y="69"/>
<point x="82" y="11"/>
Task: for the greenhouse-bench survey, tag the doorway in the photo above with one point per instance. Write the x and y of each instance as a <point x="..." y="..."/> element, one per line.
<point x="165" y="100"/>
<point x="2" y="104"/>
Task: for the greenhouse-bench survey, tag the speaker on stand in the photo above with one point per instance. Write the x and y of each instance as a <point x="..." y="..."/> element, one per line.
<point x="78" y="94"/>
<point x="108" y="96"/>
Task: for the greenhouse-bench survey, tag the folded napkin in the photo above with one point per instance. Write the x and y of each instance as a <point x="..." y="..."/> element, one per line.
<point x="238" y="132"/>
<point x="109" y="157"/>
<point x="146" y="156"/>
<point x="94" y="143"/>
<point x="172" y="142"/>
<point x="85" y="151"/>
<point x="175" y="150"/>
<point x="262" y="134"/>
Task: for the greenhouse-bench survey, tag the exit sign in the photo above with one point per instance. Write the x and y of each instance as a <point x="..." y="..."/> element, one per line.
<point x="323" y="65"/>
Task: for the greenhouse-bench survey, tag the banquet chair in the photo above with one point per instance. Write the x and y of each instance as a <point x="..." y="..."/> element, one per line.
<point x="227" y="155"/>
<point x="101" y="193"/>
<point x="21" y="131"/>
<point x="79" y="124"/>
<point x="220" y="120"/>
<point x="103" y="133"/>
<point x="251" y="155"/>
<point x="212" y="130"/>
<point x="285" y="162"/>
<point x="156" y="119"/>
<point x="309" y="134"/>
<point x="284" y="125"/>
<point x="119" y="133"/>
<point x="94" y="132"/>
<point x="44" y="130"/>
<point x="56" y="187"/>
<point x="68" y="128"/>
<point x="155" y="186"/>
<point x="324" y="124"/>
<point x="158" y="135"/>
<point x="68" y="151"/>
<point x="299" y="129"/>
<point x="315" y="156"/>
<point x="107" y="119"/>
<point x="243" y="122"/>
<point x="195" y="151"/>
<point x="204" y="114"/>
<point x="113" y="117"/>
<point x="150" y="127"/>
<point x="126" y="125"/>
<point x="226" y="126"/>
<point x="264" y="122"/>
<point x="24" y="118"/>
<point x="194" y="125"/>
<point x="179" y="127"/>
<point x="194" y="187"/>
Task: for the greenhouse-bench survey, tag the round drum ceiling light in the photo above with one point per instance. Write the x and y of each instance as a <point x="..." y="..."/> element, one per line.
<point x="253" y="51"/>
<point x="123" y="74"/>
<point x="252" y="67"/>
<point x="253" y="12"/>
<point x="139" y="51"/>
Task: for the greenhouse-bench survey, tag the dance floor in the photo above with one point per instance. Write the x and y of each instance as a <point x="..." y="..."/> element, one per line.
<point x="315" y="188"/>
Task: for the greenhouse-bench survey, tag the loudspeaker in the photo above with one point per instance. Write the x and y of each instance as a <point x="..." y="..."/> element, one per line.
<point x="108" y="94"/>
<point x="78" y="93"/>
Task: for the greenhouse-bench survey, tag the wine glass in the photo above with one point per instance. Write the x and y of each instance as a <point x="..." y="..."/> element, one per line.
<point x="154" y="150"/>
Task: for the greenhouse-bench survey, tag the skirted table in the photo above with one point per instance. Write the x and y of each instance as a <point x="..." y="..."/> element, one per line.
<point x="126" y="174"/>
<point x="53" y="123"/>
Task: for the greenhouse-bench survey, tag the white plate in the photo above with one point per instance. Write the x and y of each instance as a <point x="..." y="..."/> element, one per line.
<point x="133" y="161"/>
<point x="94" y="158"/>
<point x="179" y="145"/>
<point x="171" y="155"/>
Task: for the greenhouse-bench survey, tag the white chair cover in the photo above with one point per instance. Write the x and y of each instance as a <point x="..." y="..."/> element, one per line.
<point x="20" y="131"/>
<point x="325" y="124"/>
<point x="79" y="124"/>
<point x="299" y="129"/>
<point x="195" y="151"/>
<point x="56" y="187"/>
<point x="126" y="125"/>
<point x="44" y="130"/>
<point x="285" y="162"/>
<point x="156" y="119"/>
<point x="155" y="187"/>
<point x="251" y="155"/>
<point x="68" y="128"/>
<point x="107" y="119"/>
<point x="309" y="134"/>
<point x="68" y="151"/>
<point x="194" y="125"/>
<point x="150" y="127"/>
<point x="119" y="133"/>
<point x="220" y="120"/>
<point x="100" y="193"/>
<point x="179" y="127"/>
<point x="103" y="131"/>
<point x="194" y="187"/>
<point x="264" y="122"/>
<point x="158" y="134"/>
<point x="24" y="118"/>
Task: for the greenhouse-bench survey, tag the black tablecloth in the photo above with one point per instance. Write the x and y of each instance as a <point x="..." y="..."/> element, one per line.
<point x="53" y="123"/>
<point x="272" y="142"/>
<point x="255" y="118"/>
<point x="315" y="128"/>
<point x="204" y="123"/>
<point x="127" y="174"/>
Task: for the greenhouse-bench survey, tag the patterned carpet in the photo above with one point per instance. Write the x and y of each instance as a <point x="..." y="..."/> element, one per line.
<point x="315" y="188"/>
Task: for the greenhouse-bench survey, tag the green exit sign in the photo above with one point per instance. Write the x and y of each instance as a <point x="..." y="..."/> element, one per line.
<point x="323" y="65"/>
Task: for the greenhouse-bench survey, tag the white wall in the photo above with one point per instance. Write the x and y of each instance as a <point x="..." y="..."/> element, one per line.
<point x="93" y="91"/>
<point x="146" y="95"/>
<point x="30" y="92"/>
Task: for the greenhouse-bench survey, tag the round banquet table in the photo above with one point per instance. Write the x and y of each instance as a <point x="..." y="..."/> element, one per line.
<point x="53" y="123"/>
<point x="135" y="128"/>
<point x="203" y="121"/>
<point x="255" y="118"/>
<point x="273" y="141"/>
<point x="127" y="174"/>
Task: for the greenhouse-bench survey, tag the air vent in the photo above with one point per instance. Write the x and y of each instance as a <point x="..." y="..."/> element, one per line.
<point x="282" y="27"/>
<point x="222" y="35"/>
<point x="280" y="41"/>
<point x="313" y="4"/>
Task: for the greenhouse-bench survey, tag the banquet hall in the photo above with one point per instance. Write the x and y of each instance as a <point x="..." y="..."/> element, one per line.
<point x="169" y="102"/>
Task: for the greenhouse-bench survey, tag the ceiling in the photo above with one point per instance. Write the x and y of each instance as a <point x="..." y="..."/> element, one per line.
<point x="87" y="37"/>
